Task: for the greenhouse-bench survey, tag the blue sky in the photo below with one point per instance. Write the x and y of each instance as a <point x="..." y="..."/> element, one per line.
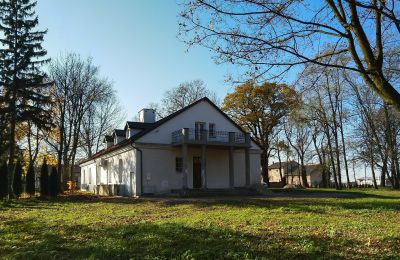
<point x="134" y="43"/>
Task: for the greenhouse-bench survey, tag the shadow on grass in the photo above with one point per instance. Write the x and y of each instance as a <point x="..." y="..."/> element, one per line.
<point x="306" y="201"/>
<point x="320" y="193"/>
<point x="172" y="240"/>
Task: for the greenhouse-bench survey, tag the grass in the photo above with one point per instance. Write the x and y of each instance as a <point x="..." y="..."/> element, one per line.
<point x="308" y="224"/>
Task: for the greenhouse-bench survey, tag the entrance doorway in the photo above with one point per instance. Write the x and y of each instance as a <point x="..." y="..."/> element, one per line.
<point x="196" y="172"/>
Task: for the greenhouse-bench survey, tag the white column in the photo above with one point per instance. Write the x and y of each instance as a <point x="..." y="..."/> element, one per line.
<point x="231" y="160"/>
<point x="184" y="166"/>
<point x="203" y="166"/>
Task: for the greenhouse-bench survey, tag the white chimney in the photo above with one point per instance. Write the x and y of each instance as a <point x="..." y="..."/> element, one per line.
<point x="147" y="115"/>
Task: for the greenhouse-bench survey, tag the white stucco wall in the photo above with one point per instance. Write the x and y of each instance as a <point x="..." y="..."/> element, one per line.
<point x="160" y="176"/>
<point x="110" y="173"/>
<point x="159" y="169"/>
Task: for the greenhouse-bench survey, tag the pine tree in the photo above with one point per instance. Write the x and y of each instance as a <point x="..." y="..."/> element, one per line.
<point x="30" y="181"/>
<point x="44" y="179"/>
<point x="21" y="56"/>
<point x="17" y="184"/>
<point x="54" y="182"/>
<point x="3" y="179"/>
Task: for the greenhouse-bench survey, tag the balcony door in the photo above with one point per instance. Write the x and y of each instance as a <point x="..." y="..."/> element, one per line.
<point x="199" y="129"/>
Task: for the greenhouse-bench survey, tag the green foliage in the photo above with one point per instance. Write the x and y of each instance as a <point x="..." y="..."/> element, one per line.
<point x="319" y="224"/>
<point x="17" y="184"/>
<point x="54" y="182"/>
<point x="3" y="179"/>
<point x="44" y="179"/>
<point x="30" y="180"/>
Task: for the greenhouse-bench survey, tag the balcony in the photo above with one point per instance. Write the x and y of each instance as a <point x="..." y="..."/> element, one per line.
<point x="217" y="138"/>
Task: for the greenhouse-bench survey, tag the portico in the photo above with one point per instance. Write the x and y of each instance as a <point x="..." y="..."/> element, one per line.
<point x="220" y="140"/>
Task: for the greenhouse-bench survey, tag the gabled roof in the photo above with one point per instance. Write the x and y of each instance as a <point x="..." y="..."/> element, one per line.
<point x="152" y="126"/>
<point x="137" y="125"/>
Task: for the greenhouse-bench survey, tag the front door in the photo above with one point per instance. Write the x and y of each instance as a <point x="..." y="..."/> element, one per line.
<point x="196" y="172"/>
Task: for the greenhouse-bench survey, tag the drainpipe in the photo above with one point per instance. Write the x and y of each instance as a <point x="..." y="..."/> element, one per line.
<point x="141" y="169"/>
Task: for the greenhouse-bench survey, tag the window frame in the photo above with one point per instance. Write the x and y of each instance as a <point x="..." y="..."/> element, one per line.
<point x="90" y="176"/>
<point x="211" y="133"/>
<point x="120" y="170"/>
<point x="179" y="164"/>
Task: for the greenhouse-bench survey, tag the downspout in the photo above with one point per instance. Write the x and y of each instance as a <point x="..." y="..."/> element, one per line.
<point x="141" y="169"/>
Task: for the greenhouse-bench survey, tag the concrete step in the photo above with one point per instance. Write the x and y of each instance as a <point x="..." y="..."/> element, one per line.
<point x="216" y="192"/>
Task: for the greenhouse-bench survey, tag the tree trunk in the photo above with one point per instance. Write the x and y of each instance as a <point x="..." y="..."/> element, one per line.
<point x="304" y="173"/>
<point x="11" y="159"/>
<point x="344" y="145"/>
<point x="332" y="159"/>
<point x="280" y="167"/>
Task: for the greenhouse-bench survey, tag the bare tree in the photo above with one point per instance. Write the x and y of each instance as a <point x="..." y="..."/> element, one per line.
<point x="183" y="95"/>
<point x="271" y="37"/>
<point x="77" y="87"/>
<point x="99" y="120"/>
<point x="298" y="134"/>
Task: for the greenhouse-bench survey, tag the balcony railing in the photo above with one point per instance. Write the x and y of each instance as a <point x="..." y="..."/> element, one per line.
<point x="191" y="135"/>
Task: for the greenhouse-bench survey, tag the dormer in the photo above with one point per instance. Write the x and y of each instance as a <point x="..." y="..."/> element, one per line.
<point x="109" y="141"/>
<point x="132" y="128"/>
<point x="118" y="135"/>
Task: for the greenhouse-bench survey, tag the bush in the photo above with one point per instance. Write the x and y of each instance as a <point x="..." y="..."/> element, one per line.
<point x="17" y="184"/>
<point x="3" y="180"/>
<point x="30" y="181"/>
<point x="44" y="179"/>
<point x="54" y="185"/>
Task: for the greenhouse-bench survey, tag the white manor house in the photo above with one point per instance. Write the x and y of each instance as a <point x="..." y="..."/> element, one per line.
<point x="197" y="147"/>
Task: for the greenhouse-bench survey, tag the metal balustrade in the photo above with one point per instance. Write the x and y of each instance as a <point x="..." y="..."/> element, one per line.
<point x="191" y="135"/>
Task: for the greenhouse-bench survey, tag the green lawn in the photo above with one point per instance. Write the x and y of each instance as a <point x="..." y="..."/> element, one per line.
<point x="307" y="224"/>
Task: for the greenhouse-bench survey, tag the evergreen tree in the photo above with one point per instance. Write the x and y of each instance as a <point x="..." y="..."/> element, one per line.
<point x="44" y="179"/>
<point x="17" y="184"/>
<point x="54" y="182"/>
<point x="21" y="80"/>
<point x="30" y="181"/>
<point x="3" y="179"/>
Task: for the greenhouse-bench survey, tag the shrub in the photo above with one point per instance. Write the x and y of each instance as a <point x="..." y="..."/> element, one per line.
<point x="54" y="185"/>
<point x="44" y="179"/>
<point x="30" y="180"/>
<point x="3" y="180"/>
<point x="17" y="184"/>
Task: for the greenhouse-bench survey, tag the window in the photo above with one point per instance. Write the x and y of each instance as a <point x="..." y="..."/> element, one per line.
<point x="120" y="169"/>
<point x="109" y="171"/>
<point x="199" y="128"/>
<point x="211" y="130"/>
<point x="178" y="164"/>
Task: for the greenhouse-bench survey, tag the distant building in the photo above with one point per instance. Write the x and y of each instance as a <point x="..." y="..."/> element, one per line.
<point x="291" y="174"/>
<point x="369" y="181"/>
